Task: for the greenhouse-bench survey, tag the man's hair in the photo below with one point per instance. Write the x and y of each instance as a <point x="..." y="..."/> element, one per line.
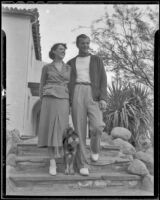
<point x="81" y="36"/>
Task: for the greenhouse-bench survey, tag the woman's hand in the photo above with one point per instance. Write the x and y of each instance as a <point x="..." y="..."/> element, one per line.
<point x="102" y="105"/>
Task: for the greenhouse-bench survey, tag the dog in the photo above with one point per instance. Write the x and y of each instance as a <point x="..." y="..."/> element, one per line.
<point x="70" y="144"/>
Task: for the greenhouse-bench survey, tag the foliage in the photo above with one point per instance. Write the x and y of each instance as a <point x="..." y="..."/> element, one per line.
<point x="129" y="107"/>
<point x="126" y="42"/>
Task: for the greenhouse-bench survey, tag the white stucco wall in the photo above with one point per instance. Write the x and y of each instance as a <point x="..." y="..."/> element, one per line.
<point x="36" y="70"/>
<point x="34" y="76"/>
<point x="29" y="127"/>
<point x="17" y="39"/>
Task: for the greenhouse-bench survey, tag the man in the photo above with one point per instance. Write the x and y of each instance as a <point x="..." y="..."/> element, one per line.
<point x="88" y="92"/>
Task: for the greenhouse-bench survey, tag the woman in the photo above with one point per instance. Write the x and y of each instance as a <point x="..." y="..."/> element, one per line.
<point x="54" y="115"/>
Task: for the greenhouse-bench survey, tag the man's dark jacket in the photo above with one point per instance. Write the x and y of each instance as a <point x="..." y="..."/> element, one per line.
<point x="97" y="76"/>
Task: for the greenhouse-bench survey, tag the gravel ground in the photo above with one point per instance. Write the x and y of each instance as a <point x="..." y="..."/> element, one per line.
<point x="73" y="190"/>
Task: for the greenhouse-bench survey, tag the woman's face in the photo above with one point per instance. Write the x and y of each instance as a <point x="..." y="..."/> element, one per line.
<point x="60" y="51"/>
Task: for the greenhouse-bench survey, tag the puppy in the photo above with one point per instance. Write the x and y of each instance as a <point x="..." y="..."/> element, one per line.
<point x="70" y="144"/>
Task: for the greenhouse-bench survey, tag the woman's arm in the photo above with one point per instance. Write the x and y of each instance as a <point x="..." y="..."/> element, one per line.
<point x="42" y="81"/>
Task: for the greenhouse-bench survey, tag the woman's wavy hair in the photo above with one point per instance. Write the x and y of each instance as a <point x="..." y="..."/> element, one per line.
<point x="53" y="48"/>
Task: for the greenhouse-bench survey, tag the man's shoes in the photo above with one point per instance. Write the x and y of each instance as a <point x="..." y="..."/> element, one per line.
<point x="52" y="168"/>
<point x="94" y="157"/>
<point x="84" y="171"/>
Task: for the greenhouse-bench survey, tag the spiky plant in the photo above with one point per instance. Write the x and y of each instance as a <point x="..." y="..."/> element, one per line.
<point x="129" y="107"/>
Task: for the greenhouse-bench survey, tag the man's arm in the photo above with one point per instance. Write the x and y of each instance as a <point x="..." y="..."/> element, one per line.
<point x="69" y="84"/>
<point x="103" y="82"/>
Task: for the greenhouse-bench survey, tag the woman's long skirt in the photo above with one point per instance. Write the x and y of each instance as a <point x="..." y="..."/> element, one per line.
<point x="54" y="119"/>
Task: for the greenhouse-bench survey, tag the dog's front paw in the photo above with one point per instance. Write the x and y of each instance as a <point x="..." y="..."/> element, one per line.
<point x="72" y="172"/>
<point x="66" y="171"/>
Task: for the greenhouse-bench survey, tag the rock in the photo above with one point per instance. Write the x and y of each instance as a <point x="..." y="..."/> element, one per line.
<point x="130" y="157"/>
<point x="11" y="147"/>
<point x="125" y="146"/>
<point x="133" y="183"/>
<point x="10" y="186"/>
<point x="93" y="184"/>
<point x="107" y="139"/>
<point x="126" y="156"/>
<point x="13" y="138"/>
<point x="150" y="168"/>
<point x="85" y="184"/>
<point x="120" y="132"/>
<point x="121" y="155"/>
<point x="14" y="135"/>
<point x="144" y="142"/>
<point x="149" y="151"/>
<point x="9" y="170"/>
<point x="147" y="159"/>
<point x="99" y="184"/>
<point x="138" y="167"/>
<point x="150" y="165"/>
<point x="11" y="160"/>
<point x="148" y="183"/>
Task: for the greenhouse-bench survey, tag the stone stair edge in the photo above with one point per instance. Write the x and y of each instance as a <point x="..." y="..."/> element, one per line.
<point x="108" y="147"/>
<point x="62" y="177"/>
<point x="39" y="158"/>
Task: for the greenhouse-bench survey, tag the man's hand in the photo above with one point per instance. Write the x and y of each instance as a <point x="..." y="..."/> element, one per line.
<point x="102" y="105"/>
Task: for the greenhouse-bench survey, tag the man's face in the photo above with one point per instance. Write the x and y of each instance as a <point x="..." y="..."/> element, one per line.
<point x="83" y="45"/>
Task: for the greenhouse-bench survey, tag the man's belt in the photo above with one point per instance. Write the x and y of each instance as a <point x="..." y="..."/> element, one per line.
<point x="83" y="83"/>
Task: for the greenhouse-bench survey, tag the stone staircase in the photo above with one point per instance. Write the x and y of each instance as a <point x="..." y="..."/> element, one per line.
<point x="109" y="172"/>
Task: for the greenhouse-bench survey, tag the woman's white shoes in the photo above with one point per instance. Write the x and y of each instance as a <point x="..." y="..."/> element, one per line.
<point x="52" y="168"/>
<point x="84" y="171"/>
<point x="94" y="157"/>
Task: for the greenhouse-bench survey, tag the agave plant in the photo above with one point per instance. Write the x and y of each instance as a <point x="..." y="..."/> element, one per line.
<point x="129" y="107"/>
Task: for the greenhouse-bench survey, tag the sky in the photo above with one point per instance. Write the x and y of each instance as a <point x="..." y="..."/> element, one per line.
<point x="59" y="23"/>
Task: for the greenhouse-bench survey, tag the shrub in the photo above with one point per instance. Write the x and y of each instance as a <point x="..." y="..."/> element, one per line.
<point x="128" y="107"/>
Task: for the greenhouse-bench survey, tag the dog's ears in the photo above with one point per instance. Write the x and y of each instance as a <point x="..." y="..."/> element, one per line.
<point x="65" y="133"/>
<point x="75" y="133"/>
<point x="70" y="130"/>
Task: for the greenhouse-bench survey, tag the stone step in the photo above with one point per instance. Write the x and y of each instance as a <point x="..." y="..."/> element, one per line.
<point x="24" y="179"/>
<point x="30" y="149"/>
<point x="33" y="144"/>
<point x="26" y="149"/>
<point x="34" y="140"/>
<point x="41" y="163"/>
<point x="29" y="146"/>
<point x="27" y="137"/>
